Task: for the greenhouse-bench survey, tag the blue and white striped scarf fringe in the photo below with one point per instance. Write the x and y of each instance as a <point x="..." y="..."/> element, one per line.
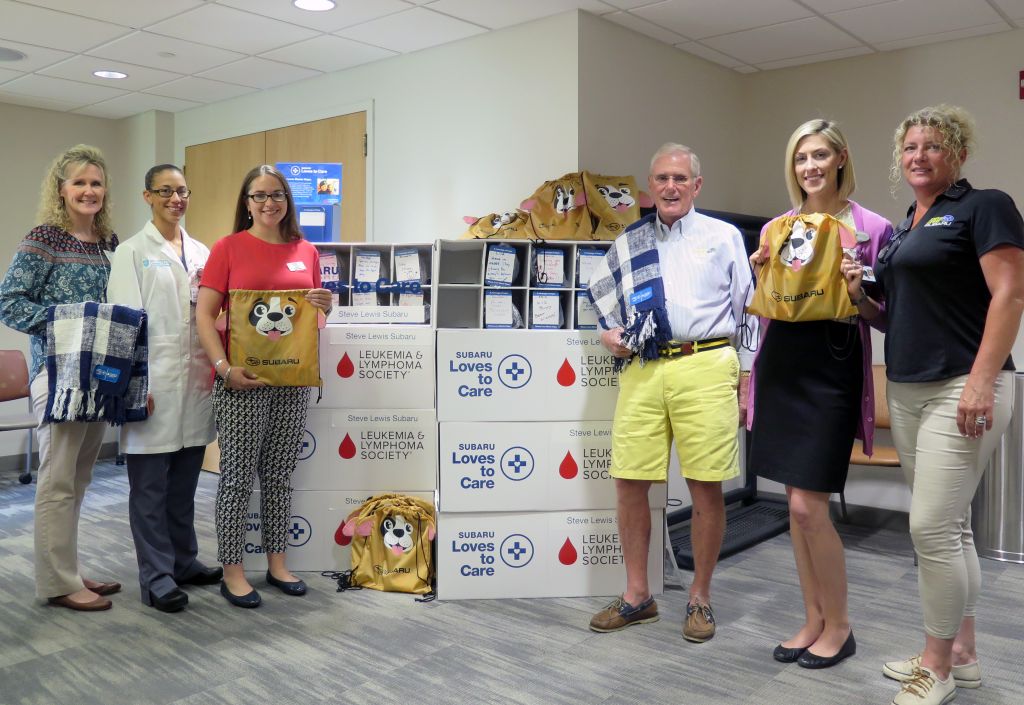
<point x="96" y="362"/>
<point x="627" y="292"/>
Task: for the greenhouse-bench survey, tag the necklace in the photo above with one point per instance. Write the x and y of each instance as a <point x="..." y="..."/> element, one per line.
<point x="97" y="259"/>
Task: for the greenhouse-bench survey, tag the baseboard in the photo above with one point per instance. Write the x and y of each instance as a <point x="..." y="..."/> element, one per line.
<point x="858" y="515"/>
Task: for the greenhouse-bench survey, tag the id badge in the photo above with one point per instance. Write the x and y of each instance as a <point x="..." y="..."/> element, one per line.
<point x="194" y="277"/>
<point x="868" y="274"/>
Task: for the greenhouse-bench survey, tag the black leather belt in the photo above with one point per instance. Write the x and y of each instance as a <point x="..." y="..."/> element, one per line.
<point x="677" y="349"/>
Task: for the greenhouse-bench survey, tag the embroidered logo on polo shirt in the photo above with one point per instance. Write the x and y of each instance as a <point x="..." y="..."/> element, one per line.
<point x="940" y="221"/>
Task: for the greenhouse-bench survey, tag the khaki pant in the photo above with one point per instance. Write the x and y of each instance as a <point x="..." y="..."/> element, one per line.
<point x="67" y="452"/>
<point x="943" y="470"/>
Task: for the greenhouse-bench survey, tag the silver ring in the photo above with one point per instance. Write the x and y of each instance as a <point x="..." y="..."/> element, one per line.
<point x="980" y="421"/>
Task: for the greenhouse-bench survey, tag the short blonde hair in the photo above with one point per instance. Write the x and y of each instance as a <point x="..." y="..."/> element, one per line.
<point x="52" y="210"/>
<point x="953" y="123"/>
<point x="672" y="148"/>
<point x="846" y="179"/>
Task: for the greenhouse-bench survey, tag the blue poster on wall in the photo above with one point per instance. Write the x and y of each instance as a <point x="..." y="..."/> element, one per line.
<point x="313" y="183"/>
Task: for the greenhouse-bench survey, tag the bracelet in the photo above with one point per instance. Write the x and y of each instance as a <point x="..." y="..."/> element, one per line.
<point x="227" y="374"/>
<point x="860" y="299"/>
<point x="216" y="365"/>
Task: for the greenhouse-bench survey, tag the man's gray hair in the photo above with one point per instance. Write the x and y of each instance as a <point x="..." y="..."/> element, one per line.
<point x="674" y="147"/>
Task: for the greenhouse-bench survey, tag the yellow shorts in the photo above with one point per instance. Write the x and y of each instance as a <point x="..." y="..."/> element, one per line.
<point x="690" y="398"/>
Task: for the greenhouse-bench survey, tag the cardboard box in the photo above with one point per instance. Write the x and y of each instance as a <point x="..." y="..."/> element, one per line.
<point x="376" y="367"/>
<point x="316" y="516"/>
<point x="490" y="467"/>
<point x="371" y="449"/>
<point x="539" y="554"/>
<point x="494" y="375"/>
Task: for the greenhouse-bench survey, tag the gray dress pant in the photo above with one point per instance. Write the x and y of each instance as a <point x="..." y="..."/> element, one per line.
<point x="161" y="509"/>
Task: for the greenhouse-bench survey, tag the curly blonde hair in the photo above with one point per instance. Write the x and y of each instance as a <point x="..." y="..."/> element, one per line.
<point x="52" y="210"/>
<point x="954" y="124"/>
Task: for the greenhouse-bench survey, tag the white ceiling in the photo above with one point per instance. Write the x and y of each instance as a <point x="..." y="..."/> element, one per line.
<point x="179" y="54"/>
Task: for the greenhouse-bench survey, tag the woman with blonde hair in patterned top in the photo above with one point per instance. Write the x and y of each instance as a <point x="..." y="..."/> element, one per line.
<point x="62" y="260"/>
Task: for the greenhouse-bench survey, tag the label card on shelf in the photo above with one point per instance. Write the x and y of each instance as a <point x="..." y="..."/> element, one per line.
<point x="501" y="265"/>
<point x="498" y="309"/>
<point x="586" y="314"/>
<point x="408" y="298"/>
<point x="586" y="261"/>
<point x="367" y="266"/>
<point x="364" y="298"/>
<point x="549" y="267"/>
<point x="329" y="269"/>
<point x="407" y="265"/>
<point x="378" y="314"/>
<point x="545" y="309"/>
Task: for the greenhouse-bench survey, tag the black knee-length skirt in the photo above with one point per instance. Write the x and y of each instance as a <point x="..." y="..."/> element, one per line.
<point x="809" y="379"/>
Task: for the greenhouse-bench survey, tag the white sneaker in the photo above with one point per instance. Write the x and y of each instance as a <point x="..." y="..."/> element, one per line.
<point x="924" y="688"/>
<point x="966" y="676"/>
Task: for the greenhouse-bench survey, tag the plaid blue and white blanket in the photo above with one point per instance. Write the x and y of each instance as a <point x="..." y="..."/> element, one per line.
<point x="627" y="291"/>
<point x="96" y="361"/>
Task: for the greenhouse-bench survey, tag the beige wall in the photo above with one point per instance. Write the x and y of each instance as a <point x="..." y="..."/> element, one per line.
<point x="636" y="94"/>
<point x="466" y="128"/>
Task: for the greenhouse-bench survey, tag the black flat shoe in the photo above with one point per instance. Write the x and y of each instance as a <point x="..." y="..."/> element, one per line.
<point x="251" y="600"/>
<point x="784" y="654"/>
<point x="174" y="601"/>
<point x="206" y="576"/>
<point x="811" y="660"/>
<point x="296" y="587"/>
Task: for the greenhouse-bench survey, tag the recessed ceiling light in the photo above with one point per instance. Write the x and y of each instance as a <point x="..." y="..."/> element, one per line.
<point x="10" y="54"/>
<point x="109" y="74"/>
<point x="314" y="5"/>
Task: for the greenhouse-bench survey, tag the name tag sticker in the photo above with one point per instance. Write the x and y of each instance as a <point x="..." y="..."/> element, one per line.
<point x="105" y="373"/>
<point x="638" y="297"/>
<point x="296" y="266"/>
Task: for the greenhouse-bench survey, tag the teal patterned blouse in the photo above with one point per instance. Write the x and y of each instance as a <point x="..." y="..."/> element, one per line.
<point x="51" y="266"/>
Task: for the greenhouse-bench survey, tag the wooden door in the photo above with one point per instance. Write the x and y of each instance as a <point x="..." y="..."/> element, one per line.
<point x="214" y="172"/>
<point x="337" y="139"/>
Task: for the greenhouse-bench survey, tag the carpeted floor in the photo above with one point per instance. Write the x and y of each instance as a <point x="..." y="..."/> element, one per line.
<point x="371" y="648"/>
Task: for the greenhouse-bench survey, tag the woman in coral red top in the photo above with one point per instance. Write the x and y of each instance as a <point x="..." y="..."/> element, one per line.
<point x="258" y="426"/>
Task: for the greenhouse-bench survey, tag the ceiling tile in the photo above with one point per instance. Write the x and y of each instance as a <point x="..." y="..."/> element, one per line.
<point x="698" y="49"/>
<point x="327" y="53"/>
<point x="35" y="57"/>
<point x="639" y="24"/>
<point x="942" y="36"/>
<point x="60" y="90"/>
<point x="1014" y="9"/>
<point x="826" y="6"/>
<point x="219" y="26"/>
<point x="259" y="73"/>
<point x="494" y="14"/>
<point x="128" y="14"/>
<point x="34" y="102"/>
<point x="746" y="69"/>
<point x="43" y="27"/>
<point x="814" y="58"/>
<point x="783" y="41"/>
<point x="697" y="19"/>
<point x="144" y="49"/>
<point x="895" y="21"/>
<point x="345" y="14"/>
<point x="201" y="90"/>
<point x="135" y="103"/>
<point x="630" y="4"/>
<point x="411" y="30"/>
<point x="6" y="75"/>
<point x="80" y="68"/>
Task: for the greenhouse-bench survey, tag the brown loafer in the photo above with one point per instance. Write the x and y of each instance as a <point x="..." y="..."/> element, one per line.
<point x="100" y="603"/>
<point x="106" y="588"/>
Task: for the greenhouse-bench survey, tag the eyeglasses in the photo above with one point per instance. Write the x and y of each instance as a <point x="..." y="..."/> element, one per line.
<point x="665" y="179"/>
<point x="167" y="192"/>
<point x="276" y="196"/>
<point x="886" y="253"/>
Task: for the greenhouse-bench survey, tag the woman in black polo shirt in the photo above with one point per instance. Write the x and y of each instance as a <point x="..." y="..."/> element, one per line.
<point x="953" y="283"/>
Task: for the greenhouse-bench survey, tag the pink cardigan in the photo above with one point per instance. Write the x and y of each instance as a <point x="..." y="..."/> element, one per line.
<point x="879" y="231"/>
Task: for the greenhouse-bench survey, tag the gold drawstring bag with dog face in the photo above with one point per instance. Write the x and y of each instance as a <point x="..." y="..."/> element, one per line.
<point x="614" y="203"/>
<point x="275" y="334"/>
<point x="801" y="280"/>
<point x="391" y="537"/>
<point x="558" y="209"/>
<point x="510" y="225"/>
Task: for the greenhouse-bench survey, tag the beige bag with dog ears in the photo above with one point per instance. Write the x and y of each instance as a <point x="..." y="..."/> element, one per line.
<point x="391" y="536"/>
<point x="614" y="203"/>
<point x="275" y="334"/>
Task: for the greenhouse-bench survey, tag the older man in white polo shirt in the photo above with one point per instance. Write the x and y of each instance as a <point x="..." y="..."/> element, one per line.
<point x="671" y="295"/>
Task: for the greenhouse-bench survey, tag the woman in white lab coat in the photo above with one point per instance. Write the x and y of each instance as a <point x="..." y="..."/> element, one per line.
<point x="159" y="270"/>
